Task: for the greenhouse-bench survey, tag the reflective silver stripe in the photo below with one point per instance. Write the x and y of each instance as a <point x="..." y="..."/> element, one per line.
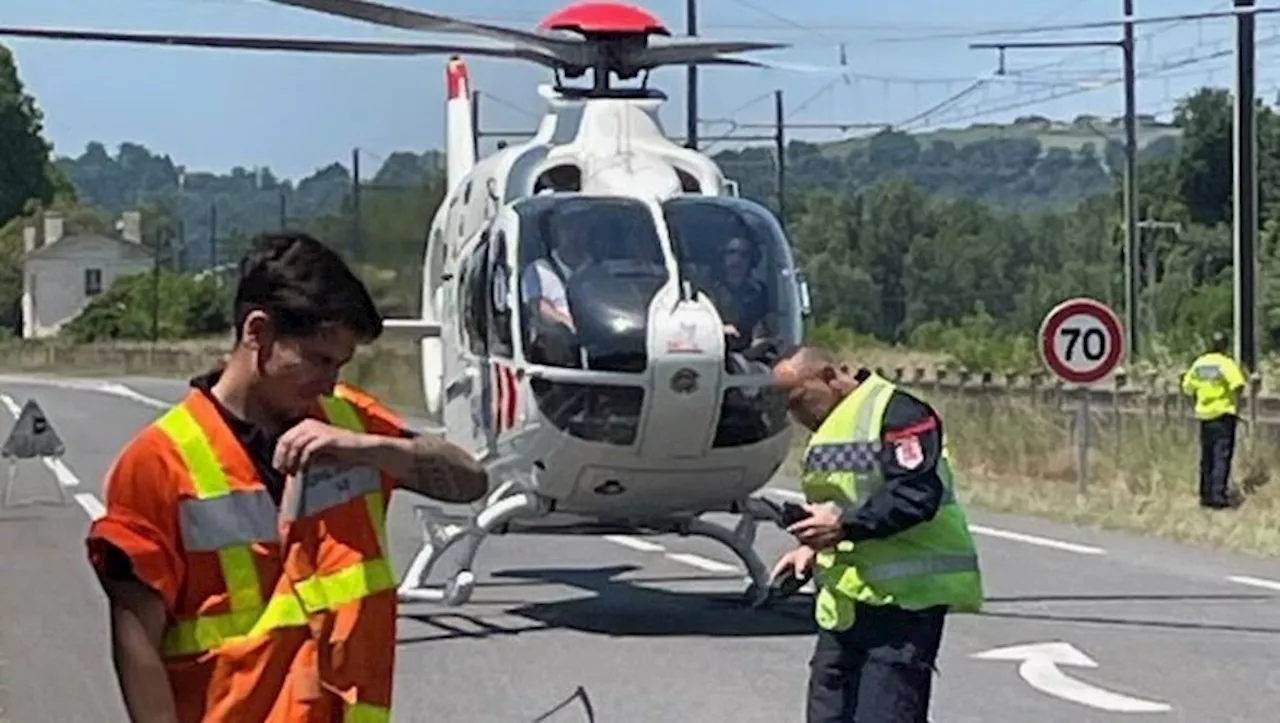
<point x="1208" y="371"/>
<point x="843" y="457"/>
<point x="934" y="565"/>
<point x="328" y="487"/>
<point x="236" y="518"/>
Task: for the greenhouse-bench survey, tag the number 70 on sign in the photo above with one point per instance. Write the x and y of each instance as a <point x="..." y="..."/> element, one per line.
<point x="1082" y="340"/>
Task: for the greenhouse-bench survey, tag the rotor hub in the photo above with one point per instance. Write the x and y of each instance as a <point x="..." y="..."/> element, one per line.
<point x="597" y="19"/>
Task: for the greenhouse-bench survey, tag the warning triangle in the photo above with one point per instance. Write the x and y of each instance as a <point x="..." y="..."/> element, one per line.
<point x="32" y="435"/>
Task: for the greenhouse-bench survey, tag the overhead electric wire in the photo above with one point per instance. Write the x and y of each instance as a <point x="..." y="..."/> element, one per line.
<point x="1094" y="25"/>
<point x="986" y="111"/>
<point x="942" y="104"/>
<point x="1067" y="58"/>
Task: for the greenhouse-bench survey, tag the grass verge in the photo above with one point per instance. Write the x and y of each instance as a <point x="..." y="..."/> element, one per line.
<point x="1015" y="453"/>
<point x="1143" y="471"/>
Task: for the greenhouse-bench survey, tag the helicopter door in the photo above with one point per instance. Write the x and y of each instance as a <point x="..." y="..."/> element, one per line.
<point x="468" y="407"/>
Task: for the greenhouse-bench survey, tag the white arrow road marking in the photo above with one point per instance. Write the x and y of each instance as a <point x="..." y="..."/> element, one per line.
<point x="1038" y="665"/>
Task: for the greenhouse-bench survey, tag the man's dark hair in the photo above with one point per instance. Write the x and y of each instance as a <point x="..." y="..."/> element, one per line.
<point x="303" y="285"/>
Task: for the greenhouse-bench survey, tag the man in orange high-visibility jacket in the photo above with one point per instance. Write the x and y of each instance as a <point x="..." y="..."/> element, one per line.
<point x="243" y="550"/>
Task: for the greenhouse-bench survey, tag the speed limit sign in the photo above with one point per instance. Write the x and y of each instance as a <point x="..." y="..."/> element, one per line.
<point x="1082" y="340"/>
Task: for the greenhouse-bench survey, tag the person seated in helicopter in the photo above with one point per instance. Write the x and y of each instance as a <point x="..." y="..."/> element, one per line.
<point x="741" y="300"/>
<point x="544" y="293"/>
<point x="543" y="282"/>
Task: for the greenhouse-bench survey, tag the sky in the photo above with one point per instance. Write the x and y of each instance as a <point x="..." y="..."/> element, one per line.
<point x="211" y="110"/>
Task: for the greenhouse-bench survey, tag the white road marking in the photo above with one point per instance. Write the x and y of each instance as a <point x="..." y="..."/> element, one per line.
<point x="121" y="390"/>
<point x="1040" y="665"/>
<point x="1037" y="540"/>
<point x="992" y="532"/>
<point x="89" y="385"/>
<point x="634" y="543"/>
<point x="95" y="509"/>
<point x="684" y="558"/>
<point x="1261" y="582"/>
<point x="700" y="562"/>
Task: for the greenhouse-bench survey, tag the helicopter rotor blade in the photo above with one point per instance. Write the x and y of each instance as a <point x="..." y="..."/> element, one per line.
<point x="680" y="53"/>
<point x="774" y="65"/>
<point x="407" y="19"/>
<point x="304" y="45"/>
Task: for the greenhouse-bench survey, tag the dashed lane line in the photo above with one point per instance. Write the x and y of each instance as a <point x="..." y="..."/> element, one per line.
<point x="684" y="558"/>
<point x="702" y="563"/>
<point x="1261" y="582"/>
<point x="91" y="506"/>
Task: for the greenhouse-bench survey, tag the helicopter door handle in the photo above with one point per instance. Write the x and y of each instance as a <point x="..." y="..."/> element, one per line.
<point x="459" y="387"/>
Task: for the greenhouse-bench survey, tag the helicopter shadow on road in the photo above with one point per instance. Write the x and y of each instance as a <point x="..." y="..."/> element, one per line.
<point x="1037" y="608"/>
<point x="621" y="608"/>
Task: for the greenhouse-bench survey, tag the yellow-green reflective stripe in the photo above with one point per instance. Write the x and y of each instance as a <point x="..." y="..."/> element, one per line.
<point x="378" y="518"/>
<point x="238" y="569"/>
<point x="196" y="451"/>
<point x="211" y="631"/>
<point x="350" y="583"/>
<point x="282" y="610"/>
<point x="342" y="413"/>
<point x="367" y="713"/>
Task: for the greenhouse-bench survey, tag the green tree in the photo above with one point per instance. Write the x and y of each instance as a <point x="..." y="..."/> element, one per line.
<point x="27" y="173"/>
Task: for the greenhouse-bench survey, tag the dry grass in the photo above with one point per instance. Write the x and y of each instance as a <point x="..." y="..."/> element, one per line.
<point x="1143" y="472"/>
<point x="1015" y="452"/>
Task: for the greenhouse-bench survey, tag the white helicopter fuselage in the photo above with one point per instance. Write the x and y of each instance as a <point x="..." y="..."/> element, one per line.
<point x="630" y="410"/>
<point x="483" y="398"/>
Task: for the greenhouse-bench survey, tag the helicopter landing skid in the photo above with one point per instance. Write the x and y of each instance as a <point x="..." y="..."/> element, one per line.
<point x="503" y="506"/>
<point x="438" y="538"/>
<point x="741" y="539"/>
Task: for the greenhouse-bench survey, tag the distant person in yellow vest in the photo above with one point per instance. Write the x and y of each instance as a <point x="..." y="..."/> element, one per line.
<point x="1215" y="380"/>
<point x="886" y="541"/>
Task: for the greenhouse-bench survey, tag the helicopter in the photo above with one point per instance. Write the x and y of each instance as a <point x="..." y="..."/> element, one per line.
<point x="599" y="306"/>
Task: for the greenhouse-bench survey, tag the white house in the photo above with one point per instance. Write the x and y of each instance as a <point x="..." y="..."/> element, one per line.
<point x="61" y="273"/>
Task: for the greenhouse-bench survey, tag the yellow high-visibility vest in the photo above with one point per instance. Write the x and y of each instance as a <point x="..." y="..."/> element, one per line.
<point x="1213" y="379"/>
<point x="934" y="563"/>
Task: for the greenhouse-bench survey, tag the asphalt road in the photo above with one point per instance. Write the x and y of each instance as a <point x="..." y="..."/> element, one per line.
<point x="653" y="633"/>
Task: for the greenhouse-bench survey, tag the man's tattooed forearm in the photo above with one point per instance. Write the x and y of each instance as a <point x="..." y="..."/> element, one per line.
<point x="445" y="471"/>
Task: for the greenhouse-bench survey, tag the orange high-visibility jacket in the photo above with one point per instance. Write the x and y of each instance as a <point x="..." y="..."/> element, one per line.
<point x="260" y="630"/>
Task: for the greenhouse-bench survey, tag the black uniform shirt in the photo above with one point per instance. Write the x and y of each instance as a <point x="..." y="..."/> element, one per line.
<point x="911" y="439"/>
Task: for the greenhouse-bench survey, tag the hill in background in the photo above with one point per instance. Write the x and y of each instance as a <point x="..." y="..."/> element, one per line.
<point x="1072" y="136"/>
<point x="1032" y="164"/>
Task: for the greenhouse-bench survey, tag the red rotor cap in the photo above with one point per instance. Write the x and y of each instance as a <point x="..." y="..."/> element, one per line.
<point x="604" y="17"/>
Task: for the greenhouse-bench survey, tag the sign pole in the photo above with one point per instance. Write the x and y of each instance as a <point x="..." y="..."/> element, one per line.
<point x="1082" y="342"/>
<point x="1082" y="439"/>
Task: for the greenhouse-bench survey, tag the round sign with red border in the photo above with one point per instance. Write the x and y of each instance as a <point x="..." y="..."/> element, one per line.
<point x="1082" y="340"/>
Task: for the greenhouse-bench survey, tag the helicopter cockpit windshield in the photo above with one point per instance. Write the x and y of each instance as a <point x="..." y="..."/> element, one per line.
<point x="737" y="253"/>
<point x="589" y="268"/>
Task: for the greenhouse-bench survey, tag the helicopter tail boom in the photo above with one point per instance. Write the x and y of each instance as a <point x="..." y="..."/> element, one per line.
<point x="460" y="137"/>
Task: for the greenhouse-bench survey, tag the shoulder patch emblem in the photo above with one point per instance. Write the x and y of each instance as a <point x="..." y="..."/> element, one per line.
<point x="908" y="452"/>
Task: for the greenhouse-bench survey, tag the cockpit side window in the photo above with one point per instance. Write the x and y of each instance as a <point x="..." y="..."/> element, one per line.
<point x="475" y="298"/>
<point x="500" y="338"/>
<point x="738" y="255"/>
<point x="589" y="268"/>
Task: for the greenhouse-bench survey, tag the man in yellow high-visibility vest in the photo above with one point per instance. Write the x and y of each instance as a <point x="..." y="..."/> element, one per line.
<point x="1215" y="380"/>
<point x="886" y="538"/>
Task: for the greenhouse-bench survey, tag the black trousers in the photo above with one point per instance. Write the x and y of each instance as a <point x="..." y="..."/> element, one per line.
<point x="1217" y="445"/>
<point x="878" y="671"/>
